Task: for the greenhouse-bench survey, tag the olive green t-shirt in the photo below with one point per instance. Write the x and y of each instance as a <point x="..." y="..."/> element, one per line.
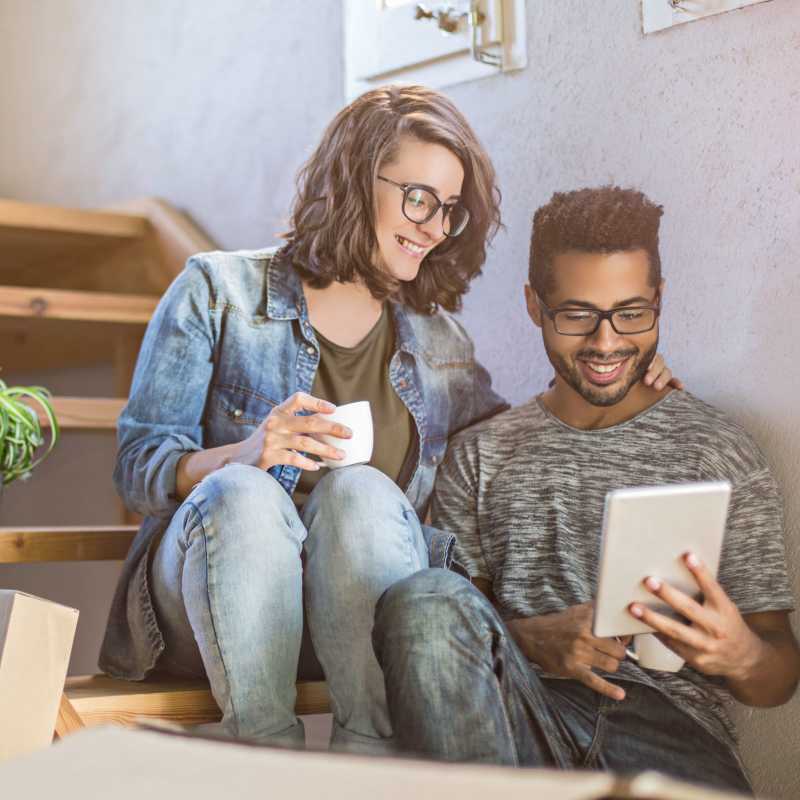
<point x="349" y="374"/>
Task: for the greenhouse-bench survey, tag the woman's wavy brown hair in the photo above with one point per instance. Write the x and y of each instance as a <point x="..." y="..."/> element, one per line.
<point x="332" y="234"/>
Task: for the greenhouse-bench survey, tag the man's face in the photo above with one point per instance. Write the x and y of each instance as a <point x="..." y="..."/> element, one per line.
<point x="603" y="366"/>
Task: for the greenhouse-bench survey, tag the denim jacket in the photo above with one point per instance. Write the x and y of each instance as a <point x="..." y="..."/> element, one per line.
<point x="231" y="339"/>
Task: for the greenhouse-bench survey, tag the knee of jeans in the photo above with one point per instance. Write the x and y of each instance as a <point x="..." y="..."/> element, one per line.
<point x="416" y="596"/>
<point x="244" y="494"/>
<point x="353" y="497"/>
<point x="357" y="485"/>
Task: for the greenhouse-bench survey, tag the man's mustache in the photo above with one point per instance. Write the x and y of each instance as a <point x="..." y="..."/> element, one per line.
<point x="596" y="355"/>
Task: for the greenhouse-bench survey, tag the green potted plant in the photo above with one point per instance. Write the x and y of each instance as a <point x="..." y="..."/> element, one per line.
<point x="20" y="431"/>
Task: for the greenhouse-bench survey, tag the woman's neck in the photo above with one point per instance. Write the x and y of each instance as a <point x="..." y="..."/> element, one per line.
<point x="344" y="313"/>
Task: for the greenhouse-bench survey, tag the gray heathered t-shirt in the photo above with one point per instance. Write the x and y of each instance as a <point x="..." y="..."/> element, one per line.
<point x="524" y="493"/>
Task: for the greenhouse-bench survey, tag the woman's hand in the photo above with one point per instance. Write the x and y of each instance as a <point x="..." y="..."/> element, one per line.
<point x="283" y="435"/>
<point x="659" y="375"/>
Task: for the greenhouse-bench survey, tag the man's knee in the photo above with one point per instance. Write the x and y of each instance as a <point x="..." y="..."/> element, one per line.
<point x="428" y="599"/>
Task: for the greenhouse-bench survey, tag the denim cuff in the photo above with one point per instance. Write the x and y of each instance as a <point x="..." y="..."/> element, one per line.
<point x="441" y="545"/>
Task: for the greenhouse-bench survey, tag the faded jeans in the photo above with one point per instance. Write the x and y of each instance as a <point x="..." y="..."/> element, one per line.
<point x="460" y="689"/>
<point x="230" y="590"/>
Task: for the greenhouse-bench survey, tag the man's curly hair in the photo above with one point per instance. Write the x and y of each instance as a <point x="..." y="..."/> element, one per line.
<point x="607" y="219"/>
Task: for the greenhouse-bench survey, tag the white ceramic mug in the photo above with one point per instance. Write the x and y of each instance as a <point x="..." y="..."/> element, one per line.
<point x="655" y="655"/>
<point x="358" y="449"/>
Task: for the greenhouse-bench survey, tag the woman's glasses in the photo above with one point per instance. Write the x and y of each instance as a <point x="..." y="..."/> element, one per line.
<point x="420" y="205"/>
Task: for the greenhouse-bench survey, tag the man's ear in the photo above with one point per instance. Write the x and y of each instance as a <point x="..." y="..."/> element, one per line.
<point x="534" y="309"/>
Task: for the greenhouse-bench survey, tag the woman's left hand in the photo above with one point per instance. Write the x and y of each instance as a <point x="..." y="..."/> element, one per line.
<point x="659" y="375"/>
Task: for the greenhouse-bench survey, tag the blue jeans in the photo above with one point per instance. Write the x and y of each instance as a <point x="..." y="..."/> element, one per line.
<point x="229" y="591"/>
<point x="460" y="689"/>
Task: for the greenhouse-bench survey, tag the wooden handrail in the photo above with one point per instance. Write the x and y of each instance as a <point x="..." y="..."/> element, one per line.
<point x="68" y="543"/>
<point x="16" y="301"/>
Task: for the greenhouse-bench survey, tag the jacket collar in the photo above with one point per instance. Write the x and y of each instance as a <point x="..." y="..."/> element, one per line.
<point x="285" y="298"/>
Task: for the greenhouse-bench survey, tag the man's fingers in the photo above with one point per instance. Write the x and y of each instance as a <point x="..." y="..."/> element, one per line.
<point x="669" y="627"/>
<point x="708" y="584"/>
<point x="610" y="647"/>
<point x="604" y="662"/>
<point x="587" y="677"/>
<point x="682" y="603"/>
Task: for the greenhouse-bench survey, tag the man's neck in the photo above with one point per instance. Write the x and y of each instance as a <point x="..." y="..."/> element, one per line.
<point x="571" y="408"/>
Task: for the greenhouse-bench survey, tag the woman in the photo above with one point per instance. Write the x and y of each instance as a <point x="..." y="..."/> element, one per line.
<point x="245" y="355"/>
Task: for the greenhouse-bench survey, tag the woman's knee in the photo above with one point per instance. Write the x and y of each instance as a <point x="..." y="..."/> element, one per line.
<point x="243" y="500"/>
<point x="358" y="514"/>
<point x="355" y="487"/>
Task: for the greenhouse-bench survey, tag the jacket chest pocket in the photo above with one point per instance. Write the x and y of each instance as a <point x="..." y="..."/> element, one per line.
<point x="232" y="408"/>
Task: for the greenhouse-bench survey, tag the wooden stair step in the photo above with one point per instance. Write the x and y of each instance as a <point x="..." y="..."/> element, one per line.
<point x="34" y="302"/>
<point x="100" y="700"/>
<point x="41" y="219"/>
<point x="19" y="545"/>
<point x="82" y="413"/>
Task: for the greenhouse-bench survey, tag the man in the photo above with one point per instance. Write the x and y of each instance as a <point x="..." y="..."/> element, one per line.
<point x="524" y="681"/>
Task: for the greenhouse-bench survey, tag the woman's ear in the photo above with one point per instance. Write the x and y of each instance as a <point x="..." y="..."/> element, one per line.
<point x="534" y="309"/>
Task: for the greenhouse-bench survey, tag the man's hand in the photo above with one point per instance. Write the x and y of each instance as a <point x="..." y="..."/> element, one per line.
<point x="756" y="655"/>
<point x="718" y="641"/>
<point x="563" y="644"/>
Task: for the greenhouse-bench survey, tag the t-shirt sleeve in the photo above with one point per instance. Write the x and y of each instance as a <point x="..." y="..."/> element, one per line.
<point x="454" y="505"/>
<point x="753" y="561"/>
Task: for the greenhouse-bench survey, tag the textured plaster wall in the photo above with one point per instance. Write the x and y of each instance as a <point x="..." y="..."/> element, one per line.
<point x="214" y="106"/>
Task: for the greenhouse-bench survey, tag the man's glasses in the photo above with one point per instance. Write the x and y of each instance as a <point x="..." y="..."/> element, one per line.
<point x="420" y="205"/>
<point x="585" y="321"/>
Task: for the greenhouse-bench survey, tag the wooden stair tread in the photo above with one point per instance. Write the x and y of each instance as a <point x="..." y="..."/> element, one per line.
<point x="99" y="699"/>
<point x="82" y="413"/>
<point x="62" y="304"/>
<point x="65" y="543"/>
<point x="41" y="219"/>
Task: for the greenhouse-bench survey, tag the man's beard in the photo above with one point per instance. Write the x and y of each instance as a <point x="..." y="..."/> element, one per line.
<point x="596" y="395"/>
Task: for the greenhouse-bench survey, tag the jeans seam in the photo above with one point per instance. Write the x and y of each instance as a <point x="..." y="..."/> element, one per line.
<point x="412" y="550"/>
<point x="597" y="739"/>
<point x="217" y="641"/>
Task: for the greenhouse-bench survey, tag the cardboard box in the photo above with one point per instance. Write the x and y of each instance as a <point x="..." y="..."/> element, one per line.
<point x="35" y="644"/>
<point x="134" y="764"/>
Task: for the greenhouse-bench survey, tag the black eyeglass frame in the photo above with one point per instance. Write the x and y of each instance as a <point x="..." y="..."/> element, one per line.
<point x="601" y="315"/>
<point x="408" y="187"/>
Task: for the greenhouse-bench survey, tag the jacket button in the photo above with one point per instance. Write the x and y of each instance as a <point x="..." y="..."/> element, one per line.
<point x="238" y="412"/>
<point x="434" y="459"/>
<point x="310" y="350"/>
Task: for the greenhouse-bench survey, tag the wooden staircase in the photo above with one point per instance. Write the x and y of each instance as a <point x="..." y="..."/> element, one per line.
<point x="78" y="288"/>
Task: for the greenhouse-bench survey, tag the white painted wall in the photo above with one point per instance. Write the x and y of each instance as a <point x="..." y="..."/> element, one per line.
<point x="214" y="106"/>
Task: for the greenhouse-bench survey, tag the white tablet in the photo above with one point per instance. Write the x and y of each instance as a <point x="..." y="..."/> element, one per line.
<point x="647" y="531"/>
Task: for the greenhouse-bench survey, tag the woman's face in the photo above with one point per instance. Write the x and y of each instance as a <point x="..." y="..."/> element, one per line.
<point x="403" y="244"/>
